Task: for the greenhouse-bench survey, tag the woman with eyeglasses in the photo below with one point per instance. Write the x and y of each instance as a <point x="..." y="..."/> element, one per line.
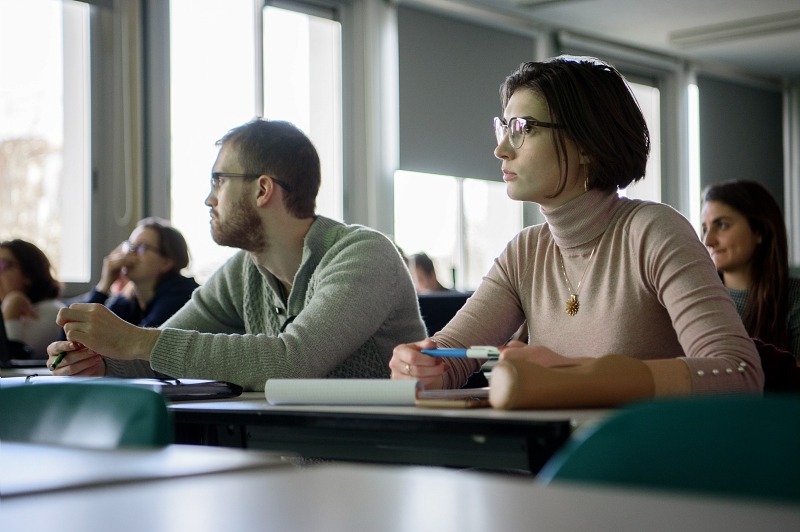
<point x="744" y="231"/>
<point x="621" y="299"/>
<point x="141" y="280"/>
<point x="30" y="294"/>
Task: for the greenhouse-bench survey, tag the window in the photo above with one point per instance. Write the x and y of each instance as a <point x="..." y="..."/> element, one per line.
<point x="217" y="71"/>
<point x="212" y="87"/>
<point x="462" y="224"/>
<point x="649" y="99"/>
<point x="44" y="130"/>
<point x="303" y="84"/>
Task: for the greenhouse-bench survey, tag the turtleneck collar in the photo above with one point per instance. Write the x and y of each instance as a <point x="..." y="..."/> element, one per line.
<point x="582" y="219"/>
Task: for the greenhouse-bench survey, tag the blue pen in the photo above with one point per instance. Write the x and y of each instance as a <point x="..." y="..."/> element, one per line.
<point x="476" y="351"/>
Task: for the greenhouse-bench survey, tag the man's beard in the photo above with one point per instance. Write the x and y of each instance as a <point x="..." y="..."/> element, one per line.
<point x="242" y="229"/>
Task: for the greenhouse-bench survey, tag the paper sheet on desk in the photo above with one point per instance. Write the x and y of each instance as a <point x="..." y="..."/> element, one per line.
<point x="341" y="392"/>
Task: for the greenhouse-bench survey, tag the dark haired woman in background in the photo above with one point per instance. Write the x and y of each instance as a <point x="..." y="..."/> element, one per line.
<point x="29" y="293"/>
<point x="141" y="281"/>
<point x="744" y="231"/>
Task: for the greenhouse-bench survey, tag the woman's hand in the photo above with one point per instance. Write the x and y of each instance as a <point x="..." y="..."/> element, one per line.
<point x="111" y="277"/>
<point x="409" y="363"/>
<point x="16" y="305"/>
<point x="77" y="360"/>
<point x="542" y="356"/>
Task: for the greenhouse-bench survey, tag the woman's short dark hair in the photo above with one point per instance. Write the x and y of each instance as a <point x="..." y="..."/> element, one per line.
<point x="34" y="265"/>
<point x="280" y="149"/>
<point x="171" y="243"/>
<point x="594" y="107"/>
<point x="767" y="304"/>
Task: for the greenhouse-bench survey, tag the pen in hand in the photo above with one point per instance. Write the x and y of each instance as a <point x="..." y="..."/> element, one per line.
<point x="58" y="360"/>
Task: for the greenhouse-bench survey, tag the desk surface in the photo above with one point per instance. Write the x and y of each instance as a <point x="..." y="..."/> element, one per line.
<point x="480" y="438"/>
<point x="255" y="403"/>
<point x="382" y="498"/>
<point x="32" y="468"/>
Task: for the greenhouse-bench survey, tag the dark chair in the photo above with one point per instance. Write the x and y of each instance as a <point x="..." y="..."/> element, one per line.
<point x="438" y="308"/>
<point x="733" y="445"/>
<point x="99" y="416"/>
<point x="781" y="372"/>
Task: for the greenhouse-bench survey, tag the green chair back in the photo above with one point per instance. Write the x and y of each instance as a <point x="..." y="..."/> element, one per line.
<point x="100" y="416"/>
<point x="733" y="445"/>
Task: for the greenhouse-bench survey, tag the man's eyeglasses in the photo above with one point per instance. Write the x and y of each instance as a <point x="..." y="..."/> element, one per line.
<point x="517" y="128"/>
<point x="139" y="249"/>
<point x="6" y="265"/>
<point x="215" y="179"/>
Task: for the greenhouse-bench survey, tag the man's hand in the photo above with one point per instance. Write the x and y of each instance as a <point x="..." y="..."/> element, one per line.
<point x="103" y="332"/>
<point x="77" y="360"/>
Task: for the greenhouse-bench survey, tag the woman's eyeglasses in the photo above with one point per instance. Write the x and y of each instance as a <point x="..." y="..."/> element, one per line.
<point x="139" y="249"/>
<point x="6" y="265"/>
<point x="517" y="129"/>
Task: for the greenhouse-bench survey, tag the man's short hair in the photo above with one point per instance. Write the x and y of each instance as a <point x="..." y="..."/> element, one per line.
<point x="423" y="262"/>
<point x="279" y="149"/>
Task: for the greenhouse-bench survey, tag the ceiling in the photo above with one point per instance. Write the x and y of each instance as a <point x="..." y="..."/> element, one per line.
<point x="756" y="37"/>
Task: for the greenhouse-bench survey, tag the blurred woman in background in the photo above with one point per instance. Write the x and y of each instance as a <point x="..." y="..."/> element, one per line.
<point x="141" y="281"/>
<point x="744" y="231"/>
<point x="30" y="294"/>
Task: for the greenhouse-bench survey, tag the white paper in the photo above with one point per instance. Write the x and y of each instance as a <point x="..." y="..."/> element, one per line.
<point x="341" y="392"/>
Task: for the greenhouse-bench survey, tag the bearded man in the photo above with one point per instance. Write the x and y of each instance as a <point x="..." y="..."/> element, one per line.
<point x="305" y="297"/>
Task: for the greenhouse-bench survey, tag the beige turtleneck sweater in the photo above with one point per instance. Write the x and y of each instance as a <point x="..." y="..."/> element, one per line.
<point x="650" y="292"/>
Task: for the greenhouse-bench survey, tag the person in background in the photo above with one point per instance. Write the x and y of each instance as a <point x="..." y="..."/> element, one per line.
<point x="622" y="301"/>
<point x="141" y="280"/>
<point x="30" y="294"/>
<point x="745" y="234"/>
<point x="424" y="274"/>
<point x="305" y="297"/>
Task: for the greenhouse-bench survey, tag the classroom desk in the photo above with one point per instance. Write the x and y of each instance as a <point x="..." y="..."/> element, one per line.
<point x="23" y="372"/>
<point x="27" y="468"/>
<point x="354" y="498"/>
<point x="466" y="438"/>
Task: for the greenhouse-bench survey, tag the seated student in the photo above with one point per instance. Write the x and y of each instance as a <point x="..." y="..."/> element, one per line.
<point x="29" y="293"/>
<point x="306" y="296"/>
<point x="141" y="281"/>
<point x="424" y="274"/>
<point x="744" y="231"/>
<point x="621" y="299"/>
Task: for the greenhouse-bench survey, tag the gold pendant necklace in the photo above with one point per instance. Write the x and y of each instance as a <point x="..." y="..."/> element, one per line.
<point x="572" y="305"/>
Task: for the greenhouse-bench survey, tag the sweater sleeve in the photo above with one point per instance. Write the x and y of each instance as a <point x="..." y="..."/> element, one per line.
<point x="490" y="316"/>
<point x="718" y="351"/>
<point x="37" y="333"/>
<point x="204" y="312"/>
<point x="359" y="285"/>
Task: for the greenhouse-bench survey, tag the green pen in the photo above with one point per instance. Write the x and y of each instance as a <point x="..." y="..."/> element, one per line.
<point x="58" y="360"/>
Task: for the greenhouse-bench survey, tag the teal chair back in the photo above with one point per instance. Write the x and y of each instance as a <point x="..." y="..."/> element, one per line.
<point x="99" y="416"/>
<point x="733" y="445"/>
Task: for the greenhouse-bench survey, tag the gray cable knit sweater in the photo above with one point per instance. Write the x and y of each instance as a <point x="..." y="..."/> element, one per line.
<point x="352" y="302"/>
